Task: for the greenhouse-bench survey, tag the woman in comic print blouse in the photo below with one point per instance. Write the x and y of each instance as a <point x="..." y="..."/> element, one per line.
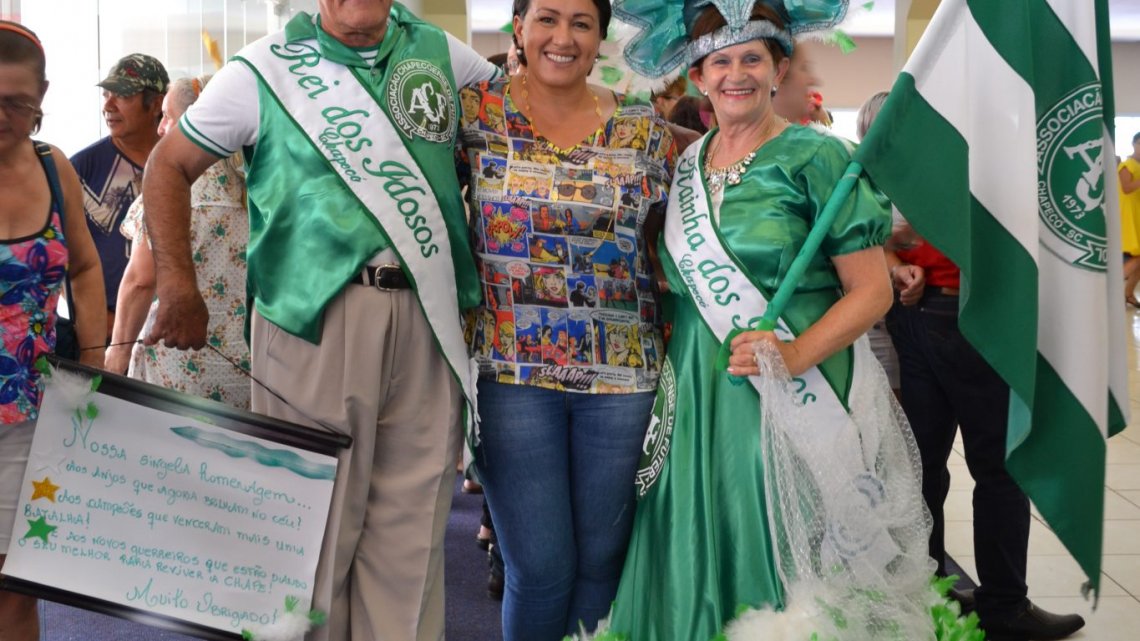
<point x="562" y="176"/>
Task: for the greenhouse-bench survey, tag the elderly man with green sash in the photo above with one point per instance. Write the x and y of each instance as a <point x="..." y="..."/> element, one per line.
<point x="359" y="266"/>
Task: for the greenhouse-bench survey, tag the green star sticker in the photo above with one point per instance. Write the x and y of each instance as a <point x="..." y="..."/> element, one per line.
<point x="39" y="528"/>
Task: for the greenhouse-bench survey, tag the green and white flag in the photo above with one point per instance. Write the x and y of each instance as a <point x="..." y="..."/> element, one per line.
<point x="995" y="144"/>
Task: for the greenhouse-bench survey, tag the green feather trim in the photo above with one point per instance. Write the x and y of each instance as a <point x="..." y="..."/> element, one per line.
<point x="41" y="365"/>
<point x="949" y="624"/>
<point x="840" y="39"/>
<point x="846" y="44"/>
<point x="611" y="76"/>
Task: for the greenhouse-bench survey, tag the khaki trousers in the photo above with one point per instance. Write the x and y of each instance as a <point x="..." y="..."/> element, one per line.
<point x="378" y="376"/>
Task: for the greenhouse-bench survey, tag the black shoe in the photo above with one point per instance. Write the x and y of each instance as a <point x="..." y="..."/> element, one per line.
<point x="965" y="599"/>
<point x="1031" y="623"/>
<point x="495" y="579"/>
<point x="495" y="586"/>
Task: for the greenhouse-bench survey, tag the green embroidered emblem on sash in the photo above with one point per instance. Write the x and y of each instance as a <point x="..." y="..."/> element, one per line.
<point x="421" y="101"/>
<point x="659" y="435"/>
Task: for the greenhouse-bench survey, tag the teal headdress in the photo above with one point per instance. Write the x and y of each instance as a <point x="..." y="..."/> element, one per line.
<point x="662" y="44"/>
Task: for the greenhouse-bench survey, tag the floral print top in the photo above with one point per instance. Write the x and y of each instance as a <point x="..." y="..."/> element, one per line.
<point x="219" y="234"/>
<point x="32" y="270"/>
<point x="567" y="297"/>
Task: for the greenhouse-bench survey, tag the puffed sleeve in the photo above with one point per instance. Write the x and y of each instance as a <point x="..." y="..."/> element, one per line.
<point x="864" y="219"/>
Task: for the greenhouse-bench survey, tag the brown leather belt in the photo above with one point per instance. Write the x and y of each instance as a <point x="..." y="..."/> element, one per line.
<point x="386" y="278"/>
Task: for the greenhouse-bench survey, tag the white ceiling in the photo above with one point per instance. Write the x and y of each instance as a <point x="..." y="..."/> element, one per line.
<point x="1124" y="18"/>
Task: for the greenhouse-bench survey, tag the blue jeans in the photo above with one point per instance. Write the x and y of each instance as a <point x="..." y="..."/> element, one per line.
<point x="557" y="469"/>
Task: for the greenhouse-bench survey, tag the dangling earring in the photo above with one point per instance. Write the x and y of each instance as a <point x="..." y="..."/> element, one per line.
<point x="519" y="53"/>
<point x="773" y="93"/>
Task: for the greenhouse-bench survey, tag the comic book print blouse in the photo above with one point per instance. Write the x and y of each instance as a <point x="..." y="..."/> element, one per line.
<point x="567" y="297"/>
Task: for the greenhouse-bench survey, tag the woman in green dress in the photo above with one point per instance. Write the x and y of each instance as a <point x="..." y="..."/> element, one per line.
<point x="704" y="546"/>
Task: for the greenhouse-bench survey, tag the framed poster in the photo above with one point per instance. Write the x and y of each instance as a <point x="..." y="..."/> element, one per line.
<point x="167" y="509"/>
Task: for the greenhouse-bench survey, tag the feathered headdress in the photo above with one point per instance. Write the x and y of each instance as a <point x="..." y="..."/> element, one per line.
<point x="663" y="44"/>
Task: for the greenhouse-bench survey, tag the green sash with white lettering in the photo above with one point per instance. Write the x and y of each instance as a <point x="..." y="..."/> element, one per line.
<point x="378" y="147"/>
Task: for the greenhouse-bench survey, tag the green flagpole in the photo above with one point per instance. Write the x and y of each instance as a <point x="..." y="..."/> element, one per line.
<point x="811" y="246"/>
<point x="799" y="265"/>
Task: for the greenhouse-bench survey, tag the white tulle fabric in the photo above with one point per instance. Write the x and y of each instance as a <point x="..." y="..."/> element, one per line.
<point x="846" y="513"/>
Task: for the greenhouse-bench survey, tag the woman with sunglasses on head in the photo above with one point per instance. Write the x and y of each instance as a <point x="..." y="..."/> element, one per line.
<point x="560" y="438"/>
<point x="43" y="242"/>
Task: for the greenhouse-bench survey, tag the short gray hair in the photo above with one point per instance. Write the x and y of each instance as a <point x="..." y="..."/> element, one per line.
<point x="184" y="91"/>
<point x="867" y="113"/>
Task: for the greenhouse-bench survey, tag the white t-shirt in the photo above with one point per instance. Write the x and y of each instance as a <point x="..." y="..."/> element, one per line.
<point x="225" y="118"/>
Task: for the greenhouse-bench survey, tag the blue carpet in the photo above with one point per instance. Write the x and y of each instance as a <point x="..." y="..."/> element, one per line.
<point x="471" y="614"/>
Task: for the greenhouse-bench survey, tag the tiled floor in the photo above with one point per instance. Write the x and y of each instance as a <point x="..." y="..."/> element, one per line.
<point x="1054" y="578"/>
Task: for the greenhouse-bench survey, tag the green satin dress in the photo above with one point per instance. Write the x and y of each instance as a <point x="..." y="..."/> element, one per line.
<point x="701" y="547"/>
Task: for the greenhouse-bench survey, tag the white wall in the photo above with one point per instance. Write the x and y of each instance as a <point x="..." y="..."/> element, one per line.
<point x="1125" y="56"/>
<point x="84" y="38"/>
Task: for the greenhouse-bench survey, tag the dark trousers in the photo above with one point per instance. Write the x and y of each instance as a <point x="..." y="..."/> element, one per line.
<point x="947" y="385"/>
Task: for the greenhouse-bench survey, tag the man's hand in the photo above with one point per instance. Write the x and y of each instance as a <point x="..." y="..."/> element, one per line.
<point x="910" y="282"/>
<point x="174" y="165"/>
<point x="181" y="320"/>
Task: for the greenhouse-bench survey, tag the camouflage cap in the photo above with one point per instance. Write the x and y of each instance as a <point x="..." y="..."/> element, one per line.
<point x="134" y="73"/>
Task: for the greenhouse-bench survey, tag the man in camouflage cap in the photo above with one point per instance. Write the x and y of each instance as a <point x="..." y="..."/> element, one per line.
<point x="134" y="73"/>
<point x="111" y="169"/>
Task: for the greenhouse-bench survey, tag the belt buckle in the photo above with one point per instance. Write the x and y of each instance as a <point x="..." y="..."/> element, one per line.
<point x="381" y="268"/>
